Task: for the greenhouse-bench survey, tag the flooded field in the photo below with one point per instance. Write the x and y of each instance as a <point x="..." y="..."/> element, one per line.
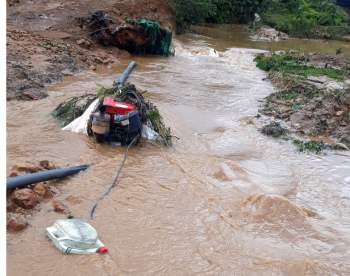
<point x="223" y="200"/>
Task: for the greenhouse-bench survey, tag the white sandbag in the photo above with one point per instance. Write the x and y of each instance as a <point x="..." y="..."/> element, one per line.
<point x="79" y="125"/>
<point x="148" y="133"/>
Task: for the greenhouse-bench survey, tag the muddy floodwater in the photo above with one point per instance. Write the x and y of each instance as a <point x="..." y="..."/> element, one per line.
<point x="224" y="200"/>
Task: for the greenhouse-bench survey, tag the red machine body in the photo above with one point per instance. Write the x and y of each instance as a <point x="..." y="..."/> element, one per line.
<point x="121" y="108"/>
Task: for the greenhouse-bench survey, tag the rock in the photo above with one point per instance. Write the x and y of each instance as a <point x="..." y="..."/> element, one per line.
<point x="103" y="60"/>
<point x="92" y="67"/>
<point x="40" y="189"/>
<point x="53" y="190"/>
<point x="73" y="199"/>
<point x="13" y="174"/>
<point x="84" y="43"/>
<point x="54" y="35"/>
<point x="10" y="205"/>
<point x="59" y="207"/>
<point x="25" y="198"/>
<point x="28" y="168"/>
<point x="33" y="95"/>
<point x="16" y="222"/>
<point x="345" y="140"/>
<point x="269" y="34"/>
<point x="273" y="129"/>
<point x="67" y="72"/>
<point x="47" y="165"/>
<point x="339" y="113"/>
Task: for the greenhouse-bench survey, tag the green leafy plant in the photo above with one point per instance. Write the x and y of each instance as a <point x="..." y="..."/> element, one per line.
<point x="309" y="146"/>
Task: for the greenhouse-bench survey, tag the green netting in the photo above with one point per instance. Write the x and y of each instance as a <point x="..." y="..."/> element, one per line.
<point x="160" y="39"/>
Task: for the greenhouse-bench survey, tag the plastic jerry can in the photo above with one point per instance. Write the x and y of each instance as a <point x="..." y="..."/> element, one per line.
<point x="75" y="236"/>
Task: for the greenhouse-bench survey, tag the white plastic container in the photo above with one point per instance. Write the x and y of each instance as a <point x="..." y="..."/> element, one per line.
<point x="74" y="236"/>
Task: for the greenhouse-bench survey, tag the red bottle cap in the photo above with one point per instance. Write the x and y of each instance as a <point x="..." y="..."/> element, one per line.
<point x="102" y="250"/>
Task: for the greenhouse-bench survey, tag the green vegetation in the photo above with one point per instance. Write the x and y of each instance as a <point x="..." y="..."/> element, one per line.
<point x="158" y="125"/>
<point x="213" y="11"/>
<point x="72" y="108"/>
<point x="102" y="91"/>
<point x="306" y="18"/>
<point x="313" y="108"/>
<point x="309" y="146"/>
<point x="296" y="65"/>
<point x="301" y="18"/>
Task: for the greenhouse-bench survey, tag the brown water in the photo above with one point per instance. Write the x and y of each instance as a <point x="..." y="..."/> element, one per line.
<point x="228" y="36"/>
<point x="225" y="200"/>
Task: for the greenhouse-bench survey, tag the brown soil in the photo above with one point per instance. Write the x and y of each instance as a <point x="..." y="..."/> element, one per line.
<point x="45" y="40"/>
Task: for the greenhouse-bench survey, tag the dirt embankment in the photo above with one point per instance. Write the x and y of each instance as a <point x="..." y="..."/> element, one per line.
<point x="46" y="39"/>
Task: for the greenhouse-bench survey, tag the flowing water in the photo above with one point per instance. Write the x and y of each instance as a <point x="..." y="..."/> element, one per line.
<point x="224" y="200"/>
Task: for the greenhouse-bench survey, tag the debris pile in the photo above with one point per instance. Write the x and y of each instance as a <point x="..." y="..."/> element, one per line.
<point x="119" y="115"/>
<point x="140" y="36"/>
<point x="274" y="129"/>
<point x="73" y="108"/>
<point x="313" y="96"/>
<point x="268" y="34"/>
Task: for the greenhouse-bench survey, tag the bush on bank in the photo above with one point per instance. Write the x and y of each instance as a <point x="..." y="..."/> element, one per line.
<point x="301" y="18"/>
<point x="306" y="18"/>
<point x="190" y="12"/>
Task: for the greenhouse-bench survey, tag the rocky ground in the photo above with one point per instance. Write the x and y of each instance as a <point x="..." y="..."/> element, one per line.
<point x="312" y="104"/>
<point x="46" y="39"/>
<point x="23" y="203"/>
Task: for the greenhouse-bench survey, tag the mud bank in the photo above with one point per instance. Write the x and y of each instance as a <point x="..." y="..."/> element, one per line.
<point x="46" y="40"/>
<point x="313" y="99"/>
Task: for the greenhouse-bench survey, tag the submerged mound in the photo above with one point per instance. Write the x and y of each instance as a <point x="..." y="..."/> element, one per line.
<point x="274" y="209"/>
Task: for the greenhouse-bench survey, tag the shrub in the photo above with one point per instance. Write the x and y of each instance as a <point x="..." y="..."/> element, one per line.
<point x="306" y="18"/>
<point x="214" y="11"/>
<point x="302" y="18"/>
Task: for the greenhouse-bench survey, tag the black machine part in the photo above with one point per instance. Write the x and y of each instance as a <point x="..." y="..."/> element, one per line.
<point x="122" y="128"/>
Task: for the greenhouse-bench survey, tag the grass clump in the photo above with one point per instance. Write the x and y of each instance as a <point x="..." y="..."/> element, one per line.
<point x="295" y="65"/>
<point x="72" y="108"/>
<point x="158" y="125"/>
<point x="309" y="146"/>
<point x="102" y="91"/>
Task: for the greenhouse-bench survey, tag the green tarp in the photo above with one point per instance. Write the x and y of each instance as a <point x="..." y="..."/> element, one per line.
<point x="160" y="38"/>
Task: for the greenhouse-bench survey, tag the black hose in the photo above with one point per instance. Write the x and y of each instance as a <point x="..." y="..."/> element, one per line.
<point x="115" y="181"/>
<point x="25" y="180"/>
